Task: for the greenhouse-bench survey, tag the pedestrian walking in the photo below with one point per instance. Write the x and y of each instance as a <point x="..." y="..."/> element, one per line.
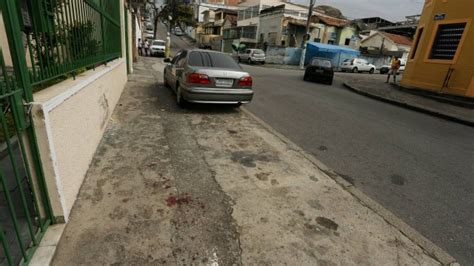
<point x="143" y="47"/>
<point x="147" y="48"/>
<point x="140" y="46"/>
<point x="394" y="67"/>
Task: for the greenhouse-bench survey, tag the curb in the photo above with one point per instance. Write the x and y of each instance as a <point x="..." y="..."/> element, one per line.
<point x="409" y="106"/>
<point x="46" y="250"/>
<point x="453" y="100"/>
<point x="425" y="244"/>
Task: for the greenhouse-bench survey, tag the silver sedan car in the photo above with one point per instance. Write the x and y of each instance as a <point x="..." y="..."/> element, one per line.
<point x="203" y="76"/>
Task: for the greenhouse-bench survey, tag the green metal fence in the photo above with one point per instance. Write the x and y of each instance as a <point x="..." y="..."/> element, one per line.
<point x="23" y="220"/>
<point x="63" y="36"/>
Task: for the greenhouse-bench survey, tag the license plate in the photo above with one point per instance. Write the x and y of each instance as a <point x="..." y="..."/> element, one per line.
<point x="320" y="71"/>
<point x="224" y="82"/>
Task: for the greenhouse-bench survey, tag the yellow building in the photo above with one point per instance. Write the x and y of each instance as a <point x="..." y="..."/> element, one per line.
<point x="442" y="55"/>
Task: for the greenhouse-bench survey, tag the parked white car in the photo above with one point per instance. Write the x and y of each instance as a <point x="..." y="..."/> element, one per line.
<point x="356" y="65"/>
<point x="149" y="34"/>
<point x="178" y="31"/>
<point x="252" y="56"/>
<point x="157" y="47"/>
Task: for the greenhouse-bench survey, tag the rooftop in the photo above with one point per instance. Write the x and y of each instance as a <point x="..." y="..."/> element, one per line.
<point x="398" y="39"/>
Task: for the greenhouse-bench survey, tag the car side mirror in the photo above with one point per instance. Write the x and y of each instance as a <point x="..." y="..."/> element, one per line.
<point x="167" y="60"/>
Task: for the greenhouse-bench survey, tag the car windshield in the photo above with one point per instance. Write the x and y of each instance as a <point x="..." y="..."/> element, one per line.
<point x="258" y="51"/>
<point x="321" y="62"/>
<point x="158" y="43"/>
<point x="216" y="60"/>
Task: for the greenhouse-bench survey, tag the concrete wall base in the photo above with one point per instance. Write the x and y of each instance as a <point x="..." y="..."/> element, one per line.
<point x="70" y="119"/>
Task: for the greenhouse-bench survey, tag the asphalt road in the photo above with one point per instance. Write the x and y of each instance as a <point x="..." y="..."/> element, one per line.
<point x="419" y="167"/>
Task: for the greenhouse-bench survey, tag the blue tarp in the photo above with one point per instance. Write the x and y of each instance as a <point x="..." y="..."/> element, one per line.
<point x="337" y="54"/>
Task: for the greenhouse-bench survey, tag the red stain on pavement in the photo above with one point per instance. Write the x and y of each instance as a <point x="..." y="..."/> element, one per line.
<point x="173" y="200"/>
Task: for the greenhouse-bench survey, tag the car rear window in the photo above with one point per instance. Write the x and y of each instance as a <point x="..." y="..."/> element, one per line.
<point x="258" y="51"/>
<point x="160" y="43"/>
<point x="320" y="62"/>
<point x="216" y="60"/>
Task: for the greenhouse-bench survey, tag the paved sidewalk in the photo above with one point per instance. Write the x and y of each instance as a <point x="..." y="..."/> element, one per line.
<point x="377" y="88"/>
<point x="210" y="185"/>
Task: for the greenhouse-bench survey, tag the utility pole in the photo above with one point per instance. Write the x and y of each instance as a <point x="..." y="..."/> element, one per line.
<point x="168" y="38"/>
<point x="303" y="45"/>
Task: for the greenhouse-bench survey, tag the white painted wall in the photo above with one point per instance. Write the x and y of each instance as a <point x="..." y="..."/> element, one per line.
<point x="70" y="119"/>
<point x="376" y="41"/>
<point x="271" y="24"/>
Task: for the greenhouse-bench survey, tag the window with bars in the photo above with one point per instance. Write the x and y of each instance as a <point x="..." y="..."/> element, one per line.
<point x="447" y="40"/>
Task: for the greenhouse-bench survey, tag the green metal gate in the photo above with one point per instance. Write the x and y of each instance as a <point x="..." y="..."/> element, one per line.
<point x="22" y="222"/>
<point x="48" y="41"/>
<point x="25" y="210"/>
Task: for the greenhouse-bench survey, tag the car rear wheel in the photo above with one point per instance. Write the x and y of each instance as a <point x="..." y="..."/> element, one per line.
<point x="179" y="96"/>
<point x="355" y="70"/>
<point x="372" y="71"/>
<point x="249" y="61"/>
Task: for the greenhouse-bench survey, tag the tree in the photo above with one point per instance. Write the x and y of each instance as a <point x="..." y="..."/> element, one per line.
<point x="181" y="14"/>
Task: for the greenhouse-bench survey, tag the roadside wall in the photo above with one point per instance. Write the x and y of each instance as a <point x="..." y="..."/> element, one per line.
<point x="70" y="118"/>
<point x="283" y="55"/>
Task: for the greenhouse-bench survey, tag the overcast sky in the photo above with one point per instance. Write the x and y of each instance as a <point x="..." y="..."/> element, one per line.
<point x="395" y="10"/>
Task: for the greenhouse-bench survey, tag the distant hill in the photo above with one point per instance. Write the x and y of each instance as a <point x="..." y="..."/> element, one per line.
<point x="330" y="11"/>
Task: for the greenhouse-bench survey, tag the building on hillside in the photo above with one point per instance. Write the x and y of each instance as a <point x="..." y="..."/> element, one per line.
<point x="213" y="28"/>
<point x="336" y="31"/>
<point x="367" y="25"/>
<point x="284" y="27"/>
<point x="442" y="56"/>
<point x="380" y="47"/>
<point x="385" y="44"/>
<point x="248" y="21"/>
<point x="406" y="27"/>
<point x="199" y="7"/>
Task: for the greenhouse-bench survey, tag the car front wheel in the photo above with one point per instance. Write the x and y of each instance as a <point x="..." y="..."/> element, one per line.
<point x="306" y="77"/>
<point x="249" y="61"/>
<point x="372" y="71"/>
<point x="164" y="80"/>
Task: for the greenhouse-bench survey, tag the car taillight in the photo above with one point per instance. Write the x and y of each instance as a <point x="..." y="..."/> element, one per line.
<point x="197" y="78"/>
<point x="245" y="81"/>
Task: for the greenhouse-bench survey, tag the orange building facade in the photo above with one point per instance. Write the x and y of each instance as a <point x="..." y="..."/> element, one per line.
<point x="442" y="54"/>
